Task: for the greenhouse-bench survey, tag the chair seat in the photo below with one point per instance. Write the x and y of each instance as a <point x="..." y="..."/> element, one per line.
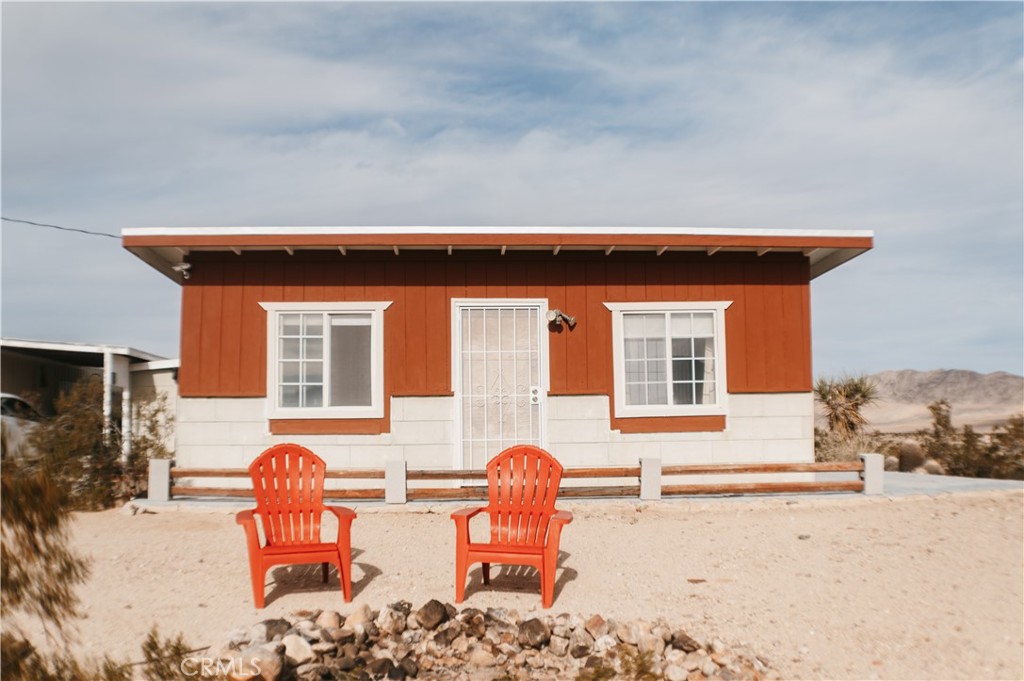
<point x="299" y="548"/>
<point x="523" y="549"/>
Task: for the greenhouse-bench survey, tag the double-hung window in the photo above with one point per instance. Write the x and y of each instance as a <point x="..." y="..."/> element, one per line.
<point x="669" y="358"/>
<point x="325" y="360"/>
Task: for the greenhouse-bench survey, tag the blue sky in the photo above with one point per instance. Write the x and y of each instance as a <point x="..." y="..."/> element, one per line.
<point x="902" y="118"/>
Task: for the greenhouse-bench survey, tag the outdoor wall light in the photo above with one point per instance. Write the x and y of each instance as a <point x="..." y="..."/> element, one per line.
<point x="556" y="317"/>
<point x="182" y="268"/>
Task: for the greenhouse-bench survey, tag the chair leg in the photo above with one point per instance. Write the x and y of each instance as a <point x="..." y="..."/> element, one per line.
<point x="547" y="582"/>
<point x="486" y="569"/>
<point x="461" y="573"/>
<point x="258" y="575"/>
<point x="345" y="575"/>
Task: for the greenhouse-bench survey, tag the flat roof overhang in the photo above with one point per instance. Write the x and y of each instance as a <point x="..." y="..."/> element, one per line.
<point x="165" y="247"/>
<point x="79" y="354"/>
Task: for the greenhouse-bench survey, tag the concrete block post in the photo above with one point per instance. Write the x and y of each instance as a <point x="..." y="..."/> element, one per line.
<point x="159" y="479"/>
<point x="394" y="482"/>
<point x="874" y="473"/>
<point x="650" y="479"/>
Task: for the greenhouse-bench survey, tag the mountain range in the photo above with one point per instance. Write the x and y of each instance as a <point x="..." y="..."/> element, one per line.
<point x="980" y="400"/>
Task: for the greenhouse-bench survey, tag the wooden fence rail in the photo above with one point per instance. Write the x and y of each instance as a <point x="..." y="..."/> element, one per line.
<point x="165" y="482"/>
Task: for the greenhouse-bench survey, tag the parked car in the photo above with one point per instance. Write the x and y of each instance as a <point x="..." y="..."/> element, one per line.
<point x="18" y="418"/>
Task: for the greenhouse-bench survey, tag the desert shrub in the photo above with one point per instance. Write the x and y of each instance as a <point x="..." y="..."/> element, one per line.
<point x="38" y="572"/>
<point x="968" y="453"/>
<point x="151" y="421"/>
<point x="831" y="446"/>
<point x="38" y="575"/>
<point x="73" y="447"/>
<point x="911" y="455"/>
<point x="85" y="457"/>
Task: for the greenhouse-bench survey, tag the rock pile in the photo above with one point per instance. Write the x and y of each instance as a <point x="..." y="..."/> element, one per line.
<point x="439" y="642"/>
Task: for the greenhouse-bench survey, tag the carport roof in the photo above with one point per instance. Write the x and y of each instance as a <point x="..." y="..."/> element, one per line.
<point x="79" y="354"/>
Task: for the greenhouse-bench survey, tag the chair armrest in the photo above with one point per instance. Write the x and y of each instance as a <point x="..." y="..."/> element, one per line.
<point x="466" y="513"/>
<point x="342" y="512"/>
<point x="345" y="517"/>
<point x="461" y="518"/>
<point x="562" y="517"/>
<point x="559" y="519"/>
<point x="247" y="519"/>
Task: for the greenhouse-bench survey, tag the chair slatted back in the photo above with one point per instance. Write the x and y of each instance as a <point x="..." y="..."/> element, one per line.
<point x="522" y="486"/>
<point x="288" y="481"/>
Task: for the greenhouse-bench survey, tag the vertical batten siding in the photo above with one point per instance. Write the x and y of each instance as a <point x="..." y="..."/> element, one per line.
<point x="223" y="335"/>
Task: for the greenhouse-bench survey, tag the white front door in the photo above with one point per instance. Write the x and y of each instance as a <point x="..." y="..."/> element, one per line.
<point x="500" y="376"/>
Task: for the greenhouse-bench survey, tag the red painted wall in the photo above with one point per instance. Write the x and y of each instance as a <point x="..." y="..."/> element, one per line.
<point x="223" y="341"/>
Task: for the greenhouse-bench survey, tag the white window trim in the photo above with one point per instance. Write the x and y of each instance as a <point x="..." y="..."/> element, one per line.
<point x="622" y="410"/>
<point x="376" y="311"/>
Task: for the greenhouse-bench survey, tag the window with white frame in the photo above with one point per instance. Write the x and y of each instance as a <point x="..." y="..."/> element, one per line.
<point x="669" y="358"/>
<point x="325" y="360"/>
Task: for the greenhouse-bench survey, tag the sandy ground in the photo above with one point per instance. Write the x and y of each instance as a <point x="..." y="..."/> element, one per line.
<point x="827" y="588"/>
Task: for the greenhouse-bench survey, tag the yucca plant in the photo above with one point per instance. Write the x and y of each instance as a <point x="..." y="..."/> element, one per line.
<point x="844" y="399"/>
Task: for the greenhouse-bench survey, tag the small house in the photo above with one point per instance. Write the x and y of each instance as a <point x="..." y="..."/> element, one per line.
<point x="441" y="346"/>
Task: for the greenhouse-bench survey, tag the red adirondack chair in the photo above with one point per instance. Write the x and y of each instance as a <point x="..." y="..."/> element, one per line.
<point x="288" y="481"/>
<point x="522" y="485"/>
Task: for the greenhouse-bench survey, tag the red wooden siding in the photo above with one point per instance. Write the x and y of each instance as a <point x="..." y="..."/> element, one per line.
<point x="223" y="342"/>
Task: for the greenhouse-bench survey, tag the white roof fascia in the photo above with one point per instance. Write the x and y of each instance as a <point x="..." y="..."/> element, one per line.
<point x="463" y="230"/>
<point x="159" y="365"/>
<point x="63" y="346"/>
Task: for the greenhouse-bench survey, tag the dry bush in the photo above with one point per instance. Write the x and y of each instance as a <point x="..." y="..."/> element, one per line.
<point x="38" y="575"/>
<point x="1000" y="454"/>
<point x="85" y="456"/>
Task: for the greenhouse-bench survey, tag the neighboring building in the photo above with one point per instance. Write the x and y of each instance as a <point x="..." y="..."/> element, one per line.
<point x="442" y="346"/>
<point x="42" y="370"/>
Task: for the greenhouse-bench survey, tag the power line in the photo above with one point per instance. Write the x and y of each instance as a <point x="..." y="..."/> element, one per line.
<point x="64" y="229"/>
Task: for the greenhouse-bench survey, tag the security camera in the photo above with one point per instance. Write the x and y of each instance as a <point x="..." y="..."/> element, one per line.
<point x="182" y="268"/>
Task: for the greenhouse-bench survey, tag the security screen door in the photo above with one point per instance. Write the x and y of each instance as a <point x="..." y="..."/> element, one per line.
<point x="500" y="384"/>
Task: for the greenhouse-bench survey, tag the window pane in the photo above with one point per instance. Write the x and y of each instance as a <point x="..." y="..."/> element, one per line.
<point x="290" y="348"/>
<point x="656" y="370"/>
<point x="682" y="347"/>
<point x="636" y="394"/>
<point x="634" y="349"/>
<point x="657" y="393"/>
<point x="314" y="348"/>
<point x="289" y="395"/>
<point x="655" y="348"/>
<point x="291" y="324"/>
<point x="703" y="325"/>
<point x="681" y="325"/>
<point x="706" y="393"/>
<point x="682" y="393"/>
<point x="635" y="372"/>
<point x="351" y="384"/>
<point x="290" y="372"/>
<point x="633" y="326"/>
<point x="313" y="396"/>
<point x="314" y="324"/>
<point x="682" y="370"/>
<point x="312" y="372"/>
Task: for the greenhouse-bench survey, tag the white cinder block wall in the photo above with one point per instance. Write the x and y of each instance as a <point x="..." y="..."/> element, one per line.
<point x="770" y="428"/>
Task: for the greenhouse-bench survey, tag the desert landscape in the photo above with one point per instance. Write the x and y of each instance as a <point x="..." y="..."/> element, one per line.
<point x="827" y="587"/>
<point x="979" y="400"/>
